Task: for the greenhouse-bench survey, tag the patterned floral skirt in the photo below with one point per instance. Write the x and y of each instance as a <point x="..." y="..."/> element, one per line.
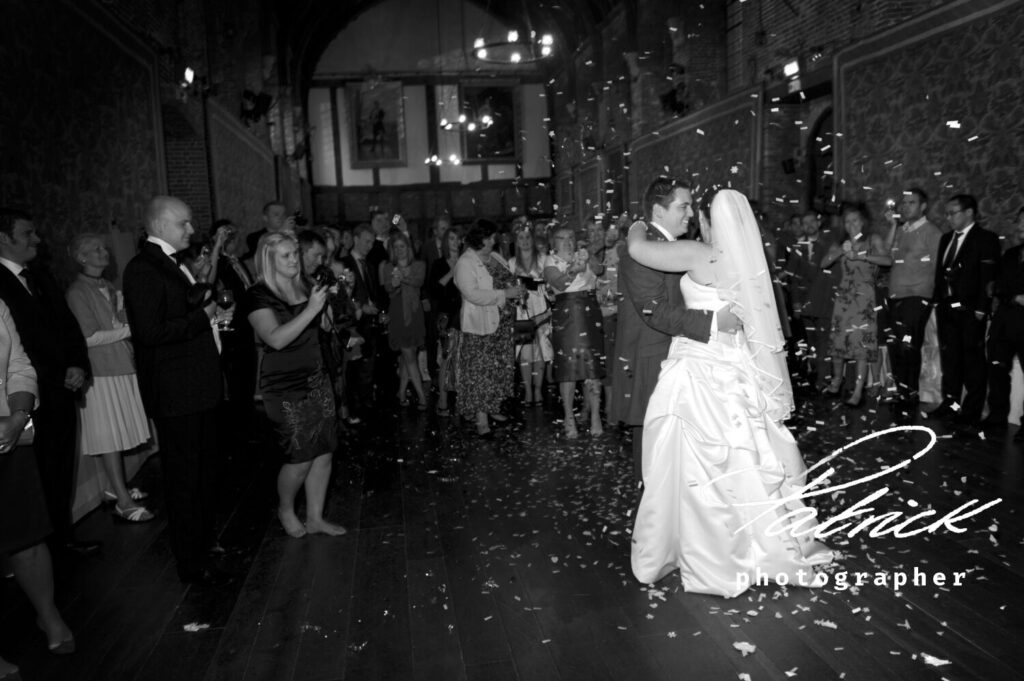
<point x="485" y="369"/>
<point x="306" y="423"/>
<point x="451" y="342"/>
<point x="854" y="328"/>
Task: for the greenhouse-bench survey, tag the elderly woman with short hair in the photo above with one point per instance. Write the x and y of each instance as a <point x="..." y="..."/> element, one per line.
<point x="111" y="416"/>
<point x="487" y="363"/>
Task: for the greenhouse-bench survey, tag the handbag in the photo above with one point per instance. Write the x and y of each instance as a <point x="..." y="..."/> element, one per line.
<point x="525" y="330"/>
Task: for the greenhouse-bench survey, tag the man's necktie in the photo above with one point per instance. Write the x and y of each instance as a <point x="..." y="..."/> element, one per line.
<point x="951" y="251"/>
<point x="29" y="280"/>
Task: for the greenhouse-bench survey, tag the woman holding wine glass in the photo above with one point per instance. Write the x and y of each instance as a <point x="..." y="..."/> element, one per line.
<point x="297" y="394"/>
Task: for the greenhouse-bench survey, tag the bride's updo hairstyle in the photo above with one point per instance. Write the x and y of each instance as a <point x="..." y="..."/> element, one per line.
<point x="704" y="209"/>
<point x="706" y="199"/>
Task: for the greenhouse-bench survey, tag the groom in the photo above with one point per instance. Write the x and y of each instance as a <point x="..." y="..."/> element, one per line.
<point x="652" y="311"/>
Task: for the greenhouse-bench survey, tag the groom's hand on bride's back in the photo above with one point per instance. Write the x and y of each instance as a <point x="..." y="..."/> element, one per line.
<point x="727" y="321"/>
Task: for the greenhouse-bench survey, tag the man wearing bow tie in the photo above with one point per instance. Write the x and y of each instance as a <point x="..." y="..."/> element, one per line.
<point x="915" y="252"/>
<point x="180" y="379"/>
<point x="968" y="256"/>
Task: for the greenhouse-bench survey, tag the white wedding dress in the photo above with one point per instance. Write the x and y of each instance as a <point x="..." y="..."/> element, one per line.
<point x="714" y="459"/>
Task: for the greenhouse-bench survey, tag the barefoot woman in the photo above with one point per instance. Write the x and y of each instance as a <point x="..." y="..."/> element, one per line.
<point x="296" y="390"/>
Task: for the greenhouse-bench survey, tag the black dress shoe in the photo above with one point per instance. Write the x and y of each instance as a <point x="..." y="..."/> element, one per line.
<point x="992" y="425"/>
<point x="83" y="548"/>
<point x="966" y="431"/>
<point x="942" y="411"/>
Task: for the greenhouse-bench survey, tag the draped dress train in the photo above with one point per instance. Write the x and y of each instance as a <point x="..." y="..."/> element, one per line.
<point x="713" y="463"/>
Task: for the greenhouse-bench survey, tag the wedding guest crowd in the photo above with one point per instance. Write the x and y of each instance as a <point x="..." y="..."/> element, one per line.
<point x="326" y="325"/>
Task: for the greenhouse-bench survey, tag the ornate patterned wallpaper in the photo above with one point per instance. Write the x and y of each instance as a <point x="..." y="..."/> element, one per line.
<point x="956" y="126"/>
<point x="716" y="148"/>
<point x="79" y="146"/>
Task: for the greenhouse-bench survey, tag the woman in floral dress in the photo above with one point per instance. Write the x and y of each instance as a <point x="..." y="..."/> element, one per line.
<point x="854" y="329"/>
<point x="486" y="356"/>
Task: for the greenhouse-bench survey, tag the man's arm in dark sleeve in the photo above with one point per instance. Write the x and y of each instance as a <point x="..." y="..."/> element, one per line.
<point x="645" y="290"/>
<point x="988" y="267"/>
<point x="72" y="342"/>
<point x="146" y="305"/>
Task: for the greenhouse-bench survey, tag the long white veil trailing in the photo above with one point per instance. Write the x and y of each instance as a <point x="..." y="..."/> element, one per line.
<point x="745" y="282"/>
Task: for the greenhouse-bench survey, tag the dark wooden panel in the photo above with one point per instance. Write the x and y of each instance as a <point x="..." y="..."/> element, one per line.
<point x="325" y="206"/>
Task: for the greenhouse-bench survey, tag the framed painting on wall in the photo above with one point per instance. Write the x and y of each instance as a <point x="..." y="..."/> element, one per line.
<point x="493" y="108"/>
<point x="376" y="124"/>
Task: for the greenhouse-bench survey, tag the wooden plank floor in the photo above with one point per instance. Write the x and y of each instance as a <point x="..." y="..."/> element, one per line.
<point x="509" y="560"/>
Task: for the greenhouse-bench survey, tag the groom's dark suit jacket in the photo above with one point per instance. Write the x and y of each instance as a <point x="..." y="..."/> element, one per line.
<point x="175" y="354"/>
<point x="651" y="311"/>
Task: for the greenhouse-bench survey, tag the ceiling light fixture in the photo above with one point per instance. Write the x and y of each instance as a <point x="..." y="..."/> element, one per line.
<point x="518" y="47"/>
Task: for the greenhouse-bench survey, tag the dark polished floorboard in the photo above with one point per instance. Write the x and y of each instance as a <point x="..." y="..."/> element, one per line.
<point x="508" y="560"/>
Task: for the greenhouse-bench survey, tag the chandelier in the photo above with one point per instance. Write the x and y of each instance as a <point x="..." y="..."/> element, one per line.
<point x="514" y="49"/>
<point x="518" y="47"/>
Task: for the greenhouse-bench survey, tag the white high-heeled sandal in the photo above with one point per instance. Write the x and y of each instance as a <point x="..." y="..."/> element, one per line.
<point x="134" y="493"/>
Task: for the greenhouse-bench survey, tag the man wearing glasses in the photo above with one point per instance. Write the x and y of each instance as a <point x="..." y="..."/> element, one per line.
<point x="963" y="298"/>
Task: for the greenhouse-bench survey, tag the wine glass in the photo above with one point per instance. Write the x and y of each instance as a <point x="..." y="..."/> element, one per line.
<point x="225" y="300"/>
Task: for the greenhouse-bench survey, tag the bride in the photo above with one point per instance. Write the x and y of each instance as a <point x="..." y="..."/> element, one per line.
<point x="716" y="458"/>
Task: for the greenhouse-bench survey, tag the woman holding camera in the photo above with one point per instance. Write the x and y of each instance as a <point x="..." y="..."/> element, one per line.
<point x="297" y="395"/>
<point x="403" y="277"/>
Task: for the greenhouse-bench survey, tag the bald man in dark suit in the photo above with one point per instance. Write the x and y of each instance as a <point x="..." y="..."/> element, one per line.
<point x="179" y="371"/>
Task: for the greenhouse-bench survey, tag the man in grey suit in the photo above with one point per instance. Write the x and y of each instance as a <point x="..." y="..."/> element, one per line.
<point x="652" y="310"/>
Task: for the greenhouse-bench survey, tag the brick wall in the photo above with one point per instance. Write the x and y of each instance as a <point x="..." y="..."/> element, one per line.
<point x="185" y="147"/>
<point x="243" y="168"/>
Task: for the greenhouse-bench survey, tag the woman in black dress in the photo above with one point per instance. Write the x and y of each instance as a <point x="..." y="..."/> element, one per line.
<point x="449" y="302"/>
<point x="24" y="522"/>
<point x="296" y="388"/>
